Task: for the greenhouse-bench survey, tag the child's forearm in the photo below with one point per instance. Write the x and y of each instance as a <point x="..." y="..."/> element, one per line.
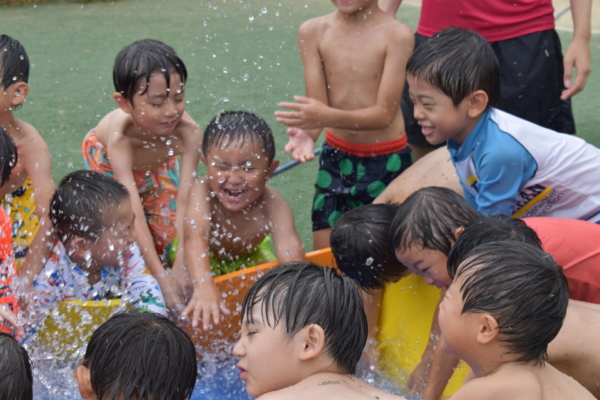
<point x="442" y="368"/>
<point x="39" y="251"/>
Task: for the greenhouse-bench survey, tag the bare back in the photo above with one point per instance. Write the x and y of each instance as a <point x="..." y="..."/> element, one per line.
<point x="576" y="349"/>
<point x="330" y="386"/>
<point x="363" y="65"/>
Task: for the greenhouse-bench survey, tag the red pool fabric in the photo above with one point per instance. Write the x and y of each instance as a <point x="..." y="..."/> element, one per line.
<point x="6" y="265"/>
<point x="574" y="245"/>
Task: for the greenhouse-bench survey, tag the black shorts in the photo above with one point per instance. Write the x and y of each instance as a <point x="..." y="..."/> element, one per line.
<point x="531" y="82"/>
<point x="346" y="181"/>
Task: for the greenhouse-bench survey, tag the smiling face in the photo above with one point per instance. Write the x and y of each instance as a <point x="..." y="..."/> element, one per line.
<point x="266" y="356"/>
<point x="159" y="110"/>
<point x="440" y="120"/>
<point x="428" y="264"/>
<point x="238" y="173"/>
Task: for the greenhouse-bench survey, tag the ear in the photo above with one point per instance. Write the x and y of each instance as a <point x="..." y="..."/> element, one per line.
<point x="203" y="159"/>
<point x="313" y="342"/>
<point x="458" y="232"/>
<point x="82" y="374"/>
<point x="272" y="168"/>
<point x="123" y="103"/>
<point x="20" y="90"/>
<point x="77" y="247"/>
<point x="478" y="102"/>
<point x="488" y="329"/>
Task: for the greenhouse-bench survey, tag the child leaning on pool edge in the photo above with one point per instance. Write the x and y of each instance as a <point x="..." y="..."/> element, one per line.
<point x="506" y="165"/>
<point x="95" y="257"/>
<point x="138" y="145"/>
<point x="303" y="331"/>
<point x="233" y="210"/>
<point x="506" y="303"/>
<point x="138" y="356"/>
<point x="354" y="71"/>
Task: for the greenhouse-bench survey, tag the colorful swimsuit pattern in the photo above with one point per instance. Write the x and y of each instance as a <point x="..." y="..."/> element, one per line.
<point x="25" y="222"/>
<point x="157" y="188"/>
<point x="352" y="175"/>
<point x="62" y="280"/>
<point x="7" y="266"/>
<point x="260" y="255"/>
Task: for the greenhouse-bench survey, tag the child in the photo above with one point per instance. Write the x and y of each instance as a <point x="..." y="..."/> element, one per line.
<point x="138" y="145"/>
<point x="356" y="98"/>
<point x="138" y="356"/>
<point x="506" y="165"/>
<point x="303" y="331"/>
<point x="507" y="302"/>
<point x="95" y="258"/>
<point x="232" y="210"/>
<point x="27" y="193"/>
<point x="16" y="379"/>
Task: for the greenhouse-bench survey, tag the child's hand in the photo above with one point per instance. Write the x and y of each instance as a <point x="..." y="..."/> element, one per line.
<point x="206" y="300"/>
<point x="301" y="145"/>
<point x="172" y="293"/>
<point x="306" y="114"/>
<point x="7" y="316"/>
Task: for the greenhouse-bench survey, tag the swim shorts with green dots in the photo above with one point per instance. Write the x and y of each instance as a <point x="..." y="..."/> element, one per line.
<point x="346" y="180"/>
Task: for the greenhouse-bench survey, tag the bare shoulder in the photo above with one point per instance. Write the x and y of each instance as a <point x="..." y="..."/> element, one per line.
<point x="189" y="130"/>
<point x="497" y="387"/>
<point x="401" y="34"/>
<point x="315" y="26"/>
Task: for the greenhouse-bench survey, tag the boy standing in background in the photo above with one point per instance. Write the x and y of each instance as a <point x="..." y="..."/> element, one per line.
<point x="354" y="69"/>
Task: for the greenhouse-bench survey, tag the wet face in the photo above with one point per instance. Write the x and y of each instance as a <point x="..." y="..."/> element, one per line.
<point x="238" y="173"/>
<point x="160" y="108"/>
<point x="440" y="120"/>
<point x="115" y="240"/>
<point x="428" y="264"/>
<point x="266" y="356"/>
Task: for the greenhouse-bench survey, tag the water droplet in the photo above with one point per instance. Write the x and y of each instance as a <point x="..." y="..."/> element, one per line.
<point x="246" y="77"/>
<point x="369" y="261"/>
<point x="251" y="18"/>
<point x="225" y="70"/>
<point x="263" y="10"/>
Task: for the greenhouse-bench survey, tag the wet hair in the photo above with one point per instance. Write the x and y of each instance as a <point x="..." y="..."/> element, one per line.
<point x="8" y="156"/>
<point x="360" y="242"/>
<point x="16" y="379"/>
<point x="429" y="217"/>
<point x="457" y="62"/>
<point x="14" y="62"/>
<point x="140" y="60"/>
<point x="522" y="288"/>
<point x="298" y="294"/>
<point x="487" y="229"/>
<point x="83" y="202"/>
<point x="231" y="126"/>
<point x="141" y="355"/>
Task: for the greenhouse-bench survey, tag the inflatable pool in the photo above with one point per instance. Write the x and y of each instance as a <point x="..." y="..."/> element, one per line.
<point x="405" y="319"/>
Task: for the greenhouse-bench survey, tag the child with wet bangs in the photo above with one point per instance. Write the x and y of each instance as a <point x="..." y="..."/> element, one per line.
<point x="138" y="356"/>
<point x="233" y="210"/>
<point x="95" y="257"/>
<point x="139" y="143"/>
<point x="506" y="165"/>
<point x="27" y="191"/>
<point x="506" y="303"/>
<point x="16" y="378"/>
<point x="303" y="331"/>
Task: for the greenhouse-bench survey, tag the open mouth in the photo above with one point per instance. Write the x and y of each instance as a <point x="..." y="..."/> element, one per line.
<point x="233" y="195"/>
<point x="243" y="372"/>
<point x="426" y="130"/>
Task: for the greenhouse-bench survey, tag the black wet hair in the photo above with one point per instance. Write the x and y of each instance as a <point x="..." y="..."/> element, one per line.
<point x="16" y="379"/>
<point x="83" y="202"/>
<point x="141" y="355"/>
<point x="14" y="62"/>
<point x="231" y="126"/>
<point x="429" y="217"/>
<point x="458" y="62"/>
<point x="487" y="229"/>
<point x="140" y="60"/>
<point x="360" y="242"/>
<point x="298" y="294"/>
<point x="8" y="156"/>
<point x="522" y="288"/>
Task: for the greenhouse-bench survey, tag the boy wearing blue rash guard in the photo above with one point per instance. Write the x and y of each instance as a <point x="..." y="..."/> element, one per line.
<point x="506" y="165"/>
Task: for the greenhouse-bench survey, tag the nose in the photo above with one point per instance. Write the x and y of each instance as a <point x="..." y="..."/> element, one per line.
<point x="429" y="280"/>
<point x="170" y="108"/>
<point x="238" y="349"/>
<point x="235" y="177"/>
<point x="418" y="111"/>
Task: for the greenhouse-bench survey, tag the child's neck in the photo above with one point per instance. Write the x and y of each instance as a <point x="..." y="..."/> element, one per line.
<point x="461" y="137"/>
<point x="92" y="268"/>
<point x="8" y="121"/>
<point x="365" y="15"/>
<point x="491" y="361"/>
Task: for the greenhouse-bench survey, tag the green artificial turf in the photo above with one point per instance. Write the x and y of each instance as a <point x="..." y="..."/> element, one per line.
<point x="241" y="55"/>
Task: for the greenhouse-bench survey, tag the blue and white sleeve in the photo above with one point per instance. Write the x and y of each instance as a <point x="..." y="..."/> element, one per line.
<point x="503" y="172"/>
<point x="142" y="289"/>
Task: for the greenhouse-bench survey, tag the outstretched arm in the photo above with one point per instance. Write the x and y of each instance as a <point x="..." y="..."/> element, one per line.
<point x="206" y="301"/>
<point x="577" y="56"/>
<point x="313" y="113"/>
